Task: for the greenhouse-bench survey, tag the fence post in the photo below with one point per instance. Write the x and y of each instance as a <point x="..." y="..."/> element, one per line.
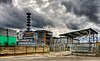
<point x="43" y="48"/>
<point x="48" y="49"/>
<point x="35" y="48"/>
<point x="0" y="48"/>
<point x="26" y="49"/>
<point x="14" y="49"/>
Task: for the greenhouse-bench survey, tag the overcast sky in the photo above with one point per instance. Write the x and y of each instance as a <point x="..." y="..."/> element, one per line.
<point x="59" y="16"/>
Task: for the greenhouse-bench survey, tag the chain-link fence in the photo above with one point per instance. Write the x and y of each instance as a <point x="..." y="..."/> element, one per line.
<point x="59" y="47"/>
<point x="83" y="48"/>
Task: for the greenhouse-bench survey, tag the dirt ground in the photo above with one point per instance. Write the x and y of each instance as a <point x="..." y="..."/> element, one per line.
<point x="61" y="58"/>
<point x="53" y="56"/>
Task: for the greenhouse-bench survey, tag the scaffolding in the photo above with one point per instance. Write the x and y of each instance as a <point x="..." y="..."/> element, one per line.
<point x="89" y="46"/>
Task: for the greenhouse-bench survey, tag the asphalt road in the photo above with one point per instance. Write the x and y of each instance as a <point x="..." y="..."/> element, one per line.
<point x="61" y="58"/>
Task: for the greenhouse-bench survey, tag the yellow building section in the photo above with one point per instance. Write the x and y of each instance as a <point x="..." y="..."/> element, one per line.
<point x="98" y="47"/>
<point x="97" y="43"/>
<point x="29" y="33"/>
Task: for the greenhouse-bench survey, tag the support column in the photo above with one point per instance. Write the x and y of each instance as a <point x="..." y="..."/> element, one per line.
<point x="93" y="43"/>
<point x="97" y="50"/>
<point x="59" y="47"/>
<point x="7" y="43"/>
<point x="96" y="37"/>
<point x="67" y="43"/>
<point x="89" y="41"/>
<point x="45" y="37"/>
<point x="67" y="40"/>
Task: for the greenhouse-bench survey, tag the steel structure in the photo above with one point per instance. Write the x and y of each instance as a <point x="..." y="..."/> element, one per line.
<point x="28" y="21"/>
<point x="90" y="33"/>
<point x="43" y="36"/>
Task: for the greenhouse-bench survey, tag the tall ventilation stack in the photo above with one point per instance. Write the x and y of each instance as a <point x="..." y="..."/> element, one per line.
<point x="28" y="22"/>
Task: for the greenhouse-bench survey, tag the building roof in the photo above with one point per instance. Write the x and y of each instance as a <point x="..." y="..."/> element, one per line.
<point x="28" y="34"/>
<point x="31" y="33"/>
<point x="79" y="33"/>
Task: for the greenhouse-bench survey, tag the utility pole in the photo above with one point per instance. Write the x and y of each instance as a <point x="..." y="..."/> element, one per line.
<point x="7" y="44"/>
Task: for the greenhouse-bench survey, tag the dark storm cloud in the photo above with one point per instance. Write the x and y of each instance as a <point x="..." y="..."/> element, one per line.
<point x="76" y="24"/>
<point x="88" y="8"/>
<point x="76" y="14"/>
<point x="73" y="26"/>
<point x="5" y="1"/>
<point x="13" y="17"/>
<point x="68" y="5"/>
<point x="38" y="20"/>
